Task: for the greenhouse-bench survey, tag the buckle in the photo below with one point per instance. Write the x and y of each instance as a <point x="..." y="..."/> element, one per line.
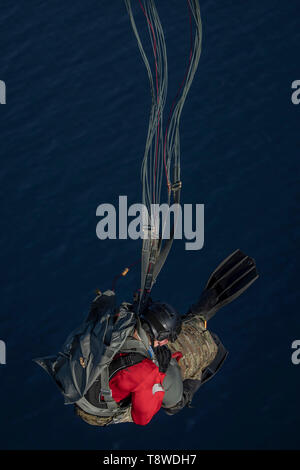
<point x="176" y="186"/>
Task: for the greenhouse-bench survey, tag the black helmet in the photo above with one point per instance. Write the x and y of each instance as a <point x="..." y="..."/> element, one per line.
<point x="162" y="320"/>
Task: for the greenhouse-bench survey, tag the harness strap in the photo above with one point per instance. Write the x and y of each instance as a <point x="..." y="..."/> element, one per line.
<point x="123" y="362"/>
<point x="135" y="351"/>
<point x="101" y="386"/>
<point x="176" y="188"/>
<point x="144" y="338"/>
<point x="154" y="255"/>
<point x="105" y="391"/>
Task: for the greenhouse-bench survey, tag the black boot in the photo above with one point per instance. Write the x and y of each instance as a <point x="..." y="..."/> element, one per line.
<point x="190" y="387"/>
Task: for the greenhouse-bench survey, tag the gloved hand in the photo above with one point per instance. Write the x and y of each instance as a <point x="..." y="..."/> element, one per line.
<point x="163" y="356"/>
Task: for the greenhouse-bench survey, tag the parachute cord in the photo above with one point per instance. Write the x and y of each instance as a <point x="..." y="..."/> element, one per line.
<point x="179" y="90"/>
<point x="156" y="78"/>
<point x="162" y="149"/>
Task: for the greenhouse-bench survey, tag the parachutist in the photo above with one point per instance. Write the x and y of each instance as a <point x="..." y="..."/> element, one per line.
<point x="120" y="367"/>
<point x="124" y="364"/>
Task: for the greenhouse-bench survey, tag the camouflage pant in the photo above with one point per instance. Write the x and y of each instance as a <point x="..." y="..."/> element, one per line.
<point x="198" y="348"/>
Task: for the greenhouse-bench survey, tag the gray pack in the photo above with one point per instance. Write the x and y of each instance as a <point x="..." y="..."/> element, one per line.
<point x="89" y="349"/>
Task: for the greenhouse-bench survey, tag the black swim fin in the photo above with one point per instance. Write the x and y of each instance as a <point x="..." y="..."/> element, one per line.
<point x="229" y="280"/>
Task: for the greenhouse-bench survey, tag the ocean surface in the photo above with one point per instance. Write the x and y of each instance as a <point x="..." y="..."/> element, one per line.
<point x="72" y="137"/>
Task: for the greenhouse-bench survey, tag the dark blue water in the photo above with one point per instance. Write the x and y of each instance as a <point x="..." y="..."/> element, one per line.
<point x="72" y="137"/>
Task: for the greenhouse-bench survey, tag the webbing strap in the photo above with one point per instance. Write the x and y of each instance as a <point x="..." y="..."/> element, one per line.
<point x="105" y="391"/>
<point x="123" y="362"/>
<point x="167" y="246"/>
<point x="153" y="257"/>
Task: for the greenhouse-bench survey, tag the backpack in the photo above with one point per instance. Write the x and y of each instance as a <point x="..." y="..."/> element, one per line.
<point x="88" y="352"/>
